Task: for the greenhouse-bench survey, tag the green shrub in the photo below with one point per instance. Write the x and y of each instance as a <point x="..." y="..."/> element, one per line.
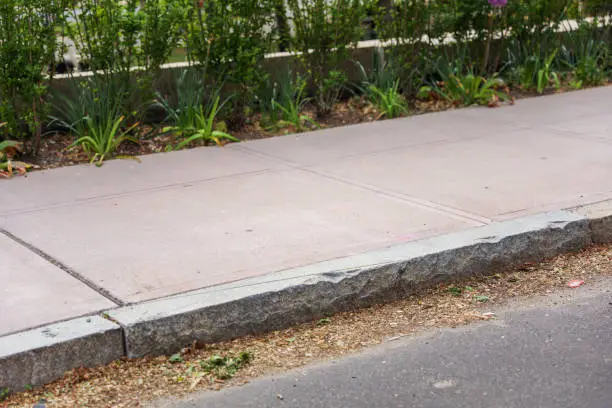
<point x="200" y="128"/>
<point x="96" y="98"/>
<point x="290" y="105"/>
<point x="106" y="34"/>
<point x="229" y="39"/>
<point x="382" y="89"/>
<point x="103" y="136"/>
<point x="27" y="48"/>
<point x="113" y="37"/>
<point x="460" y="86"/>
<point x="404" y="26"/>
<point x="325" y="31"/>
<point x="586" y="52"/>
<point x="192" y="93"/>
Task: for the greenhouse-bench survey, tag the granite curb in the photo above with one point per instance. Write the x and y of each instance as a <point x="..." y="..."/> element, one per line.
<point x="288" y="297"/>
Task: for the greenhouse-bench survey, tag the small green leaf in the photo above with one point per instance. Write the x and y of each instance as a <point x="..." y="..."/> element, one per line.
<point x="324" y="321"/>
<point x="176" y="358"/>
<point x="482" y="299"/>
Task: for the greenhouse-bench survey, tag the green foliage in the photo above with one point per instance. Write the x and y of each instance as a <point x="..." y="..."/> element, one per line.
<point x="389" y="102"/>
<point x="404" y="26"/>
<point x="192" y="94"/>
<point x="113" y="37"/>
<point x="97" y="98"/>
<point x="103" y="136"/>
<point x="382" y="89"/>
<point x="454" y="81"/>
<point x="200" y="127"/>
<point x="533" y="71"/>
<point x="161" y="22"/>
<point x="325" y="31"/>
<point x="536" y="73"/>
<point x="586" y="53"/>
<point x="466" y="90"/>
<point x="4" y="393"/>
<point x="225" y="367"/>
<point x="176" y="358"/>
<point x="228" y="38"/>
<point x="288" y="104"/>
<point x="455" y="291"/>
<point x="546" y="75"/>
<point x="6" y="164"/>
<point x="27" y="47"/>
<point x="106" y="33"/>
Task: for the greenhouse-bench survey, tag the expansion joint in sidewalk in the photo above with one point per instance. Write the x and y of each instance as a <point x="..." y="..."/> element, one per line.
<point x="64" y="267"/>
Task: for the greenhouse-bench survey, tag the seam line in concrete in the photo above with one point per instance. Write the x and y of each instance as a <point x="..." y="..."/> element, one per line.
<point x="105" y="293"/>
<point x="130" y="193"/>
<point x="431" y="205"/>
<point x="164" y="325"/>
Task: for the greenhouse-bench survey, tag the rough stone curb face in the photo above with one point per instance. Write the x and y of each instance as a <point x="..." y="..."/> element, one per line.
<point x="38" y="356"/>
<point x="600" y="220"/>
<point x="278" y="300"/>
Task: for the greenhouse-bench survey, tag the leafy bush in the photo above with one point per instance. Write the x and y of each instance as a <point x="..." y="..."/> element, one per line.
<point x="382" y="89"/>
<point x="229" y="39"/>
<point x="106" y="33"/>
<point x="325" y="31"/>
<point x="587" y="53"/>
<point x="404" y="27"/>
<point x="466" y="90"/>
<point x="192" y="93"/>
<point x="113" y="37"/>
<point x="103" y="137"/>
<point x="96" y="98"/>
<point x="199" y="125"/>
<point x="27" y="47"/>
<point x="9" y="148"/>
<point x="535" y="72"/>
<point x="288" y="104"/>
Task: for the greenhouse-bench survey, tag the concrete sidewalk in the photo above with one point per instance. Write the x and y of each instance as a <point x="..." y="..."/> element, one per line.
<point x="80" y="240"/>
<point x="129" y="232"/>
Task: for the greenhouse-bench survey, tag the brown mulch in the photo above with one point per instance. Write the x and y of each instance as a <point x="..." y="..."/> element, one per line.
<point x="131" y="383"/>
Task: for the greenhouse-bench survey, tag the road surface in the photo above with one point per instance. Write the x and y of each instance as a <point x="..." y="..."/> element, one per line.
<point x="554" y="352"/>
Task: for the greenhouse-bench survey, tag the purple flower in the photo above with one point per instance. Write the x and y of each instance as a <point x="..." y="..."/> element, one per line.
<point x="498" y="3"/>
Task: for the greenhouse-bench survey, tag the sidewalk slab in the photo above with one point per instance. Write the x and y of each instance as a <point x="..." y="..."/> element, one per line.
<point x="278" y="300"/>
<point x="158" y="243"/>
<point x="74" y="184"/>
<point x="329" y="145"/>
<point x="504" y="176"/>
<point x="551" y="111"/>
<point x="34" y="292"/>
<point x="38" y="356"/>
<point x="337" y="218"/>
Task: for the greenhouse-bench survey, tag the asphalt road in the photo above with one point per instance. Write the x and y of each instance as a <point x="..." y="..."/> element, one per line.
<point x="550" y="353"/>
